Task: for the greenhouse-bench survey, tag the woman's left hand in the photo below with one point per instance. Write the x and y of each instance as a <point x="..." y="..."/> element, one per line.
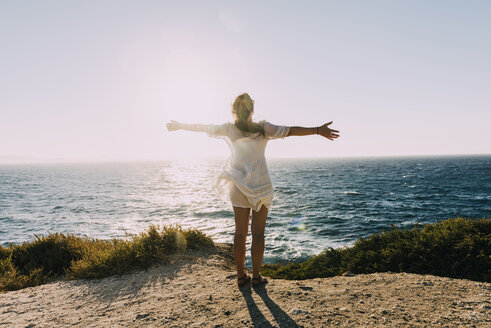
<point x="325" y="131"/>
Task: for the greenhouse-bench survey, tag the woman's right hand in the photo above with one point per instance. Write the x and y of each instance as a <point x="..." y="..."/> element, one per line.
<point x="173" y="126"/>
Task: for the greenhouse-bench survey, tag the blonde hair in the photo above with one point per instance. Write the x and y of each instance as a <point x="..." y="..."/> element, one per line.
<point x="241" y="109"/>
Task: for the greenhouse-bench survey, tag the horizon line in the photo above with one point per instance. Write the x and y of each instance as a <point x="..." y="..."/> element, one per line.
<point x="6" y="160"/>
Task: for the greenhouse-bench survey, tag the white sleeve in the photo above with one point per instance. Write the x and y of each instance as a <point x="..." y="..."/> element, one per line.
<point x="275" y="131"/>
<point x="218" y="131"/>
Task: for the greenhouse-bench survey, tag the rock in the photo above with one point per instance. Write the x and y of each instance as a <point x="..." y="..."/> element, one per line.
<point x="473" y="316"/>
<point x="427" y="283"/>
<point x="348" y="274"/>
<point x="484" y="307"/>
<point x="298" y="311"/>
<point x="227" y="313"/>
<point x="141" y="316"/>
<point x="343" y="309"/>
<point x="306" y="288"/>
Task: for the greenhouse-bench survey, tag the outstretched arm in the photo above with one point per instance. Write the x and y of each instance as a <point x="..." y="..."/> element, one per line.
<point x="174" y="125"/>
<point x="322" y="130"/>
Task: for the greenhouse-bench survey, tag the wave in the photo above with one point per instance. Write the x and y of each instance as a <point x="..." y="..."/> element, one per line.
<point x="352" y="193"/>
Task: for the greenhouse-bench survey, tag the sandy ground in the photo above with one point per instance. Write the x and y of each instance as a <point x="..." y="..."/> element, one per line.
<point x="199" y="290"/>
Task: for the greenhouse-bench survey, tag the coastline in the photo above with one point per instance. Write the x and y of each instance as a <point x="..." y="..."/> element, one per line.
<point x="198" y="289"/>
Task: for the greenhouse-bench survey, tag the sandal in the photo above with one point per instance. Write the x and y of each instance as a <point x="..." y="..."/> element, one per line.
<point x="258" y="281"/>
<point x="243" y="280"/>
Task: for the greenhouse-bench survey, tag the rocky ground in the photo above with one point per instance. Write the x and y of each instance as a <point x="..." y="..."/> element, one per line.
<point x="199" y="290"/>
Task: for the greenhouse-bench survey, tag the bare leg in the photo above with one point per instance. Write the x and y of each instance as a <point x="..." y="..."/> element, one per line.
<point x="257" y="248"/>
<point x="241" y="229"/>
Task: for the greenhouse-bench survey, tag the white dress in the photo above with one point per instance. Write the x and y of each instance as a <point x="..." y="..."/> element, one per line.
<point x="246" y="170"/>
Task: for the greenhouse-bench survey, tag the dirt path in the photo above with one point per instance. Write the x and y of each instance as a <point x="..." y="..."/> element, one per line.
<point x="199" y="290"/>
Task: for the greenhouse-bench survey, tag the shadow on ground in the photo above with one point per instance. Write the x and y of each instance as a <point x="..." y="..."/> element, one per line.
<point x="283" y="320"/>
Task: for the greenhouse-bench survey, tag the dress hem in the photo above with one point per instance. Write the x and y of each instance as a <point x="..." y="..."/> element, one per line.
<point x="226" y="194"/>
<point x="251" y="207"/>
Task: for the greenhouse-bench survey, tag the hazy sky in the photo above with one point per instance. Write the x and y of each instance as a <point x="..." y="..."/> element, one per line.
<point x="97" y="80"/>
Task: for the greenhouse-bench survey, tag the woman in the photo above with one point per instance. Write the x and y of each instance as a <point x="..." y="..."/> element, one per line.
<point x="245" y="178"/>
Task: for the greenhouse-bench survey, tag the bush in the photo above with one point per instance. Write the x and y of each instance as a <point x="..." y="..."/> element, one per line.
<point x="48" y="257"/>
<point x="457" y="248"/>
<point x="197" y="239"/>
<point x="52" y="253"/>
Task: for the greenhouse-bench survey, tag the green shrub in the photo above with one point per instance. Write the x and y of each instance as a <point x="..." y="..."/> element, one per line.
<point x="197" y="239"/>
<point x="11" y="279"/>
<point x="141" y="251"/>
<point x="52" y="253"/>
<point x="48" y="257"/>
<point x="457" y="248"/>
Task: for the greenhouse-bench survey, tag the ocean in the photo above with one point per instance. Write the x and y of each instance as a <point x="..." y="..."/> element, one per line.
<point x="319" y="203"/>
